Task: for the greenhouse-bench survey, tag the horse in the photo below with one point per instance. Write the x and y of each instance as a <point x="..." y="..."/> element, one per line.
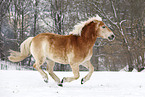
<point x="74" y="49"/>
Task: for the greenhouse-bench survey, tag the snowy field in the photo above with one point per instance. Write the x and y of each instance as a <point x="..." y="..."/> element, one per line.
<point x="102" y="84"/>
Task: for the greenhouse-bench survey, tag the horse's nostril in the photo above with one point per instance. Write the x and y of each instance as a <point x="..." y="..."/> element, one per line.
<point x="111" y="37"/>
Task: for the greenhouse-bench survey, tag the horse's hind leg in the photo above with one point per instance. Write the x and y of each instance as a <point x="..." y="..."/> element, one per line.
<point x="75" y="70"/>
<point x="50" y="65"/>
<point x="37" y="66"/>
<point x="91" y="70"/>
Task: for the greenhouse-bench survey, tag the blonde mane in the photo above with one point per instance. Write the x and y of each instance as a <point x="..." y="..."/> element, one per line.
<point x="78" y="28"/>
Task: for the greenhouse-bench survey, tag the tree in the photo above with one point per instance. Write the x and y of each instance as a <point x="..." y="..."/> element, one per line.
<point x="119" y="23"/>
<point x="4" y="8"/>
<point x="57" y="15"/>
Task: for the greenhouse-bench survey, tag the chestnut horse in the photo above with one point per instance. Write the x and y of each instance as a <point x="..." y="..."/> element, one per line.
<point x="74" y="49"/>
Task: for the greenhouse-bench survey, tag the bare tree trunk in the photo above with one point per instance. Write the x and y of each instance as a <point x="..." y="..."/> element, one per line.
<point x="1" y="40"/>
<point x="4" y="8"/>
<point x="130" y="61"/>
<point x="35" y="18"/>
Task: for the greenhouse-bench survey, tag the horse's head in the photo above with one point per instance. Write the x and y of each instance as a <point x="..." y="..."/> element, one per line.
<point x="103" y="31"/>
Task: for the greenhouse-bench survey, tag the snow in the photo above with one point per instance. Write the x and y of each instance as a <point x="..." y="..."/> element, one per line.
<point x="14" y="83"/>
<point x="5" y="65"/>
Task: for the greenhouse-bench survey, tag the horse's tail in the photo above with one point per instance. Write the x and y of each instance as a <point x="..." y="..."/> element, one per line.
<point x="24" y="51"/>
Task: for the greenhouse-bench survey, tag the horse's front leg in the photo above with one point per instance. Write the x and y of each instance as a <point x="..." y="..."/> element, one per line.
<point x="75" y="70"/>
<point x="91" y="70"/>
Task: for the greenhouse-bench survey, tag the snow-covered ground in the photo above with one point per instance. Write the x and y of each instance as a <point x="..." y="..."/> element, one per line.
<point x="5" y="65"/>
<point x="102" y="84"/>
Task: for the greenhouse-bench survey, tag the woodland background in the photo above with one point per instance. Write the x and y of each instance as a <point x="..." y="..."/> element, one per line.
<point x="20" y="19"/>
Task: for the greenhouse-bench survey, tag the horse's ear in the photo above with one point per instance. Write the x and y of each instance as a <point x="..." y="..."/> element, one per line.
<point x="95" y="21"/>
<point x="97" y="25"/>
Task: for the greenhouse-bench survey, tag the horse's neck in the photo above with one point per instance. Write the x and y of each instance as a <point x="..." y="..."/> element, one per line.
<point x="88" y="35"/>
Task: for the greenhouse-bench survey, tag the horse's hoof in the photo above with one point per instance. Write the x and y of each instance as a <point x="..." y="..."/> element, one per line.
<point x="60" y="84"/>
<point x="46" y="81"/>
<point x="82" y="81"/>
<point x="62" y="81"/>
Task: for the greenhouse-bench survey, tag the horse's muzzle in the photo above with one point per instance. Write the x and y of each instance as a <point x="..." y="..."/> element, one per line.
<point x="112" y="37"/>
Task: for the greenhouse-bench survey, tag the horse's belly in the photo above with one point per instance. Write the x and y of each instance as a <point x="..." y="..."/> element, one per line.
<point x="57" y="58"/>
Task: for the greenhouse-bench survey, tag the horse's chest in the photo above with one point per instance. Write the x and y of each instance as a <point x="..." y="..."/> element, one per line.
<point x="88" y="56"/>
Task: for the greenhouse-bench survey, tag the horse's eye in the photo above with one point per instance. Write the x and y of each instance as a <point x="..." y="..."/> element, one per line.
<point x="103" y="27"/>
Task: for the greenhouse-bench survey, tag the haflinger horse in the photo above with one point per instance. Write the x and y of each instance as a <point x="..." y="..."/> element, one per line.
<point x="74" y="49"/>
